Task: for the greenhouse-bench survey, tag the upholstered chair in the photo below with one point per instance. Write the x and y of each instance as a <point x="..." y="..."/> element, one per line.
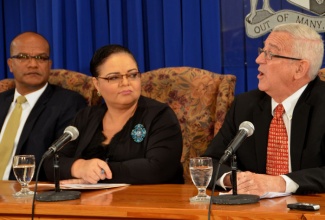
<point x="6" y="84"/>
<point x="200" y="99"/>
<point x="67" y="79"/>
<point x="321" y="74"/>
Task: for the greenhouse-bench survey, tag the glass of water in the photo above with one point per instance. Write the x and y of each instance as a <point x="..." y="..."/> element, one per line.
<point x="201" y="172"/>
<point x="24" y="167"/>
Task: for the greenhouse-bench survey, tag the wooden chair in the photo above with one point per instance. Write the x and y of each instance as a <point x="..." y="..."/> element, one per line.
<point x="200" y="99"/>
<point x="67" y="79"/>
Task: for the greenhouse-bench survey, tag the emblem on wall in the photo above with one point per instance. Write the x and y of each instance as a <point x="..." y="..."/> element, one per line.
<point x="261" y="21"/>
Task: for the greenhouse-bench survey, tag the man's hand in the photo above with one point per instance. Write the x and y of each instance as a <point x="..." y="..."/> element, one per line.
<point x="91" y="171"/>
<point x="258" y="184"/>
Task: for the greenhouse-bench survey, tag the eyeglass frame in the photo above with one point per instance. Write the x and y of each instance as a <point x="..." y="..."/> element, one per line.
<point x="270" y="55"/>
<point x="127" y="75"/>
<point x="38" y="58"/>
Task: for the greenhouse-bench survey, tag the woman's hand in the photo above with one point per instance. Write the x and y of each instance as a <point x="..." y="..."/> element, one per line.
<point x="91" y="171"/>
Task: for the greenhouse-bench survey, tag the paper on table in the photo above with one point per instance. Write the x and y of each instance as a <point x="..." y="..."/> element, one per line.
<point x="79" y="186"/>
<point x="92" y="186"/>
<point x="269" y="195"/>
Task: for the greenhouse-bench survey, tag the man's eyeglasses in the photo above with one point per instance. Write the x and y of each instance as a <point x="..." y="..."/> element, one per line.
<point x="268" y="55"/>
<point x="117" y="78"/>
<point x="23" y="58"/>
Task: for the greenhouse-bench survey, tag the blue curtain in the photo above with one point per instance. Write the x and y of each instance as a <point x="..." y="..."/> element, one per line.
<point x="160" y="33"/>
<point x="208" y="34"/>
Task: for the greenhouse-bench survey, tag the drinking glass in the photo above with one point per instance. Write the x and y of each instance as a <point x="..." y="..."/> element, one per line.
<point x="24" y="167"/>
<point x="201" y="172"/>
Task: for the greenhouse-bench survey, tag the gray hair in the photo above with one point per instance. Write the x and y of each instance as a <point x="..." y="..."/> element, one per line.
<point x="307" y="44"/>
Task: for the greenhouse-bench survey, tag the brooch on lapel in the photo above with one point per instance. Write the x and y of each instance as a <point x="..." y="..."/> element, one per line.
<point x="138" y="133"/>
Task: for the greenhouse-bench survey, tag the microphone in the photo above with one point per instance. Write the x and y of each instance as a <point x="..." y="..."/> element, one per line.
<point x="70" y="133"/>
<point x="246" y="129"/>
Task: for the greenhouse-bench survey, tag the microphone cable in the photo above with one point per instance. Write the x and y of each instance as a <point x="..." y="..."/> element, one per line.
<point x="35" y="188"/>
<point x="213" y="189"/>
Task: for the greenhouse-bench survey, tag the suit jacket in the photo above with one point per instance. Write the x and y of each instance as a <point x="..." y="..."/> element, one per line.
<point x="155" y="159"/>
<point x="307" y="149"/>
<point x="52" y="112"/>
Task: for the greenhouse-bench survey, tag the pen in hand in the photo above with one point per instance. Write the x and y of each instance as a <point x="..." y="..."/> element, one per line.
<point x="103" y="171"/>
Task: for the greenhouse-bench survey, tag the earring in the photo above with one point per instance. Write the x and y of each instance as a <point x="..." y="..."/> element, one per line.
<point x="98" y="93"/>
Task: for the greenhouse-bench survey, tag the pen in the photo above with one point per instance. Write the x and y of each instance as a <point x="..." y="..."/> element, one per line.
<point x="103" y="171"/>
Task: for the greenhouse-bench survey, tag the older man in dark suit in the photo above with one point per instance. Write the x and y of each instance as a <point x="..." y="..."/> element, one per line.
<point x="47" y="109"/>
<point x="295" y="162"/>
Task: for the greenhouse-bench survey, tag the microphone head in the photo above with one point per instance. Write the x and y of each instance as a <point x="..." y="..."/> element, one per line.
<point x="72" y="131"/>
<point x="248" y="127"/>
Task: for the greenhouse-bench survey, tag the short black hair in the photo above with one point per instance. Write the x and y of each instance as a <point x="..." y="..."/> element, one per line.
<point x="105" y="52"/>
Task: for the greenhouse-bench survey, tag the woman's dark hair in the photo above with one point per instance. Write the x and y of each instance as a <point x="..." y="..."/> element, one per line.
<point x="105" y="52"/>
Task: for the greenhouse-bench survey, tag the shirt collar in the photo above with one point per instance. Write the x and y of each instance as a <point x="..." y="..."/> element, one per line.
<point x="32" y="97"/>
<point x="289" y="103"/>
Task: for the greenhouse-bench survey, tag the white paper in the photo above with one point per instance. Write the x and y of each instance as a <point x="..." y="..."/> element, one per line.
<point x="79" y="186"/>
<point x="92" y="186"/>
<point x="269" y="195"/>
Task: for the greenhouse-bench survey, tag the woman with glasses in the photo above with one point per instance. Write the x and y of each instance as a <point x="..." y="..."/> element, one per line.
<point x="129" y="138"/>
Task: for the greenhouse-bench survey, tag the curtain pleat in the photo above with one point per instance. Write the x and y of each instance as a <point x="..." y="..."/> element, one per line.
<point x="233" y="47"/>
<point x="61" y="35"/>
<point x="172" y="32"/>
<point x="85" y="49"/>
<point x="154" y="34"/>
<point x="28" y="15"/>
<point x="100" y="24"/>
<point x="211" y="32"/>
<point x="116" y="22"/>
<point x="191" y="20"/>
<point x="3" y="57"/>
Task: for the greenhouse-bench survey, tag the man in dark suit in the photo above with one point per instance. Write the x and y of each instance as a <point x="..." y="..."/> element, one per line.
<point x="288" y="67"/>
<point x="48" y="109"/>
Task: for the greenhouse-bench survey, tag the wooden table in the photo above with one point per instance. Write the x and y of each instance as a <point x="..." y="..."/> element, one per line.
<point x="149" y="202"/>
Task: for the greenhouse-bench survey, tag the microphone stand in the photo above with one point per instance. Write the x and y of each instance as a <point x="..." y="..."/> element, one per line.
<point x="57" y="194"/>
<point x="235" y="199"/>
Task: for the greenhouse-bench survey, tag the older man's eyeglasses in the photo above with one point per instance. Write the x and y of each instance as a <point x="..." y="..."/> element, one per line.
<point x="268" y="55"/>
<point x="24" y="58"/>
<point x="117" y="78"/>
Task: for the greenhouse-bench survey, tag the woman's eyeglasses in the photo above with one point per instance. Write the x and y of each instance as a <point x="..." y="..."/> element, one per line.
<point x="116" y="78"/>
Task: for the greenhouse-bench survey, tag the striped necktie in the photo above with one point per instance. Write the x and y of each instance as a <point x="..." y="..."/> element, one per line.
<point x="9" y="135"/>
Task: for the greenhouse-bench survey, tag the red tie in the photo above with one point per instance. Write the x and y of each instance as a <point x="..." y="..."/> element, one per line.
<point x="277" y="149"/>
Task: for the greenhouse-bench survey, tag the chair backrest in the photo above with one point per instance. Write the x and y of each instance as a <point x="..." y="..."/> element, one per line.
<point x="321" y="74"/>
<point x="67" y="79"/>
<point x="6" y="84"/>
<point x="200" y="99"/>
<point x="76" y="81"/>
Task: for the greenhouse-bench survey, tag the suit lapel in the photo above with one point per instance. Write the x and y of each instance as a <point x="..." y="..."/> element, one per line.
<point x="34" y="114"/>
<point x="299" y="126"/>
<point x="298" y="133"/>
<point x="5" y="105"/>
<point x="261" y="119"/>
